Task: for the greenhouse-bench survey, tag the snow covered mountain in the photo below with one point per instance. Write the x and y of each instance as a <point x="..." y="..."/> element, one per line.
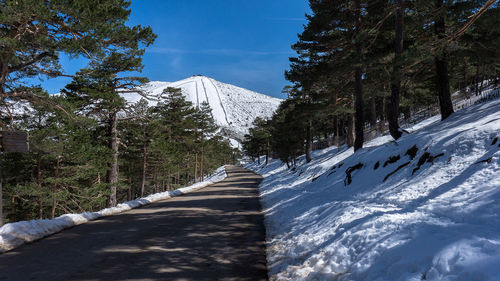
<point x="233" y="108"/>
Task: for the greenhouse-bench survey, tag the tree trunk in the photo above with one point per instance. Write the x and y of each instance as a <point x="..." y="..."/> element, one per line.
<point x="308" y="141"/>
<point x="373" y="112"/>
<point x="481" y="85"/>
<point x="383" y="116"/>
<point x="443" y="83"/>
<point x="195" y="166"/>
<point x="144" y="167"/>
<point x="129" y="190"/>
<point x="350" y="130"/>
<point x="54" y="188"/>
<point x="359" y="121"/>
<point x="112" y="176"/>
<point x="336" y="129"/>
<point x="14" y="208"/>
<point x="1" y="202"/>
<point x="201" y="164"/>
<point x="39" y="183"/>
<point x="358" y="101"/>
<point x="267" y="152"/>
<point x="169" y="181"/>
<point x="463" y="85"/>
<point x="393" y="106"/>
<point x="476" y="79"/>
<point x="1" y="192"/>
<point x="155" y="182"/>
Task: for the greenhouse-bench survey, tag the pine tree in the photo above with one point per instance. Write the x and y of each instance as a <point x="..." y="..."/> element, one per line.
<point x="175" y="118"/>
<point x="205" y="128"/>
<point x="137" y="133"/>
<point x="99" y="90"/>
<point x="34" y="32"/>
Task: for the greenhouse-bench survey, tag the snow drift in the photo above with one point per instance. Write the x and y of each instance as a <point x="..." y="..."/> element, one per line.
<point x="15" y="234"/>
<point x="425" y="207"/>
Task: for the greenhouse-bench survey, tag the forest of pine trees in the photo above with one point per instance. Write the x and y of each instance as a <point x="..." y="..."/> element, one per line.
<point x="89" y="149"/>
<point x="365" y="64"/>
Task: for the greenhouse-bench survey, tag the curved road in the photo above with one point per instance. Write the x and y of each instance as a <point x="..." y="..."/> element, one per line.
<point x="215" y="233"/>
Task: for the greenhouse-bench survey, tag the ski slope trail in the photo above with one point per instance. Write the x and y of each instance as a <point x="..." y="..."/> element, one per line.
<point x="220" y="101"/>
<point x="234" y="108"/>
<point x="216" y="233"/>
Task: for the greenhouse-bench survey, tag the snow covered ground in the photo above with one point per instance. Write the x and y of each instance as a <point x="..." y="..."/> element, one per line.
<point x="15" y="234"/>
<point x="430" y="213"/>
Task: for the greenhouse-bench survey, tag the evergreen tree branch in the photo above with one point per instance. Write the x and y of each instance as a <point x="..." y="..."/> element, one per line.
<point x="473" y="18"/>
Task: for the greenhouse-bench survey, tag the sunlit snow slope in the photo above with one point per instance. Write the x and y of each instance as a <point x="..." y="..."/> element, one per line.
<point x="424" y="207"/>
<point x="233" y="108"/>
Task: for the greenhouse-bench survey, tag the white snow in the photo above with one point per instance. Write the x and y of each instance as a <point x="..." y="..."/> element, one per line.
<point x="15" y="234"/>
<point x="233" y="108"/>
<point x="441" y="223"/>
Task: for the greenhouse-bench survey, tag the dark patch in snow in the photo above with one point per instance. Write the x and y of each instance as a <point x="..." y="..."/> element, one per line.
<point x="391" y="160"/>
<point x="332" y="170"/>
<point x="376" y="165"/>
<point x="432" y="158"/>
<point x="484" y="161"/>
<point x="348" y="172"/>
<point x="412" y="152"/>
<point x="421" y="161"/>
<point x="399" y="168"/>
<point x="426" y="158"/>
<point x="423" y="158"/>
<point x="494" y="141"/>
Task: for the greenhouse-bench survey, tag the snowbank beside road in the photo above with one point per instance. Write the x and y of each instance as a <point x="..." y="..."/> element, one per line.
<point x="15" y="234"/>
<point x="430" y="213"/>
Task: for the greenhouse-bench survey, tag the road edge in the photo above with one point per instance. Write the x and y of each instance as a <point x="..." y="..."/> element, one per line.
<point x="13" y="235"/>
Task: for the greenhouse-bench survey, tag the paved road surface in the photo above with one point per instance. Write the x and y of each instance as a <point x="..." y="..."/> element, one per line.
<point x="216" y="233"/>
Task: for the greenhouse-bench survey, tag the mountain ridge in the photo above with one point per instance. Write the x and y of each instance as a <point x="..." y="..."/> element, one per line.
<point x="233" y="108"/>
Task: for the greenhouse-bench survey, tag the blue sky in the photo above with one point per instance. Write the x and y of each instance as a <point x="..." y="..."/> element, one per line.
<point x="241" y="42"/>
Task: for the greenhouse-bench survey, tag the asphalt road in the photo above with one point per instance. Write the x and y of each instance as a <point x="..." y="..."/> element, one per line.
<point x="216" y="233"/>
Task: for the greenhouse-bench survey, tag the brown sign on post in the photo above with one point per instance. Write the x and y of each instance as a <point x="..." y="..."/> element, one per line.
<point x="14" y="141"/>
